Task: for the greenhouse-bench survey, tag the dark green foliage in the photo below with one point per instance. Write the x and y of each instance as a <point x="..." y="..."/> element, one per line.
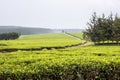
<point x="72" y="72"/>
<point x="9" y="36"/>
<point x="103" y="28"/>
<point x="117" y="29"/>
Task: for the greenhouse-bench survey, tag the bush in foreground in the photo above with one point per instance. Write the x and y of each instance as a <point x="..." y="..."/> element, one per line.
<point x="71" y="72"/>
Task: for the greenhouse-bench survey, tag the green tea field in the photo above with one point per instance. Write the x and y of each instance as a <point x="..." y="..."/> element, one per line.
<point x="40" y="41"/>
<point x="74" y="62"/>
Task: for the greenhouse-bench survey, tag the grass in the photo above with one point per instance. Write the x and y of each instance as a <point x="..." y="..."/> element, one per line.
<point x="78" y="34"/>
<point x="46" y="36"/>
<point x="38" y="41"/>
<point x="57" y="61"/>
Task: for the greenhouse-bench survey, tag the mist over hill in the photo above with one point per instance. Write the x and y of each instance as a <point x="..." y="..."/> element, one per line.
<point x="68" y="30"/>
<point x="29" y="30"/>
<point x="24" y="30"/>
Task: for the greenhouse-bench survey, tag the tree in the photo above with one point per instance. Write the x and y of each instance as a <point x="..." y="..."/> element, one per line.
<point x="9" y="36"/>
<point x="91" y="31"/>
<point x="109" y="28"/>
<point x="103" y="28"/>
<point x="117" y="29"/>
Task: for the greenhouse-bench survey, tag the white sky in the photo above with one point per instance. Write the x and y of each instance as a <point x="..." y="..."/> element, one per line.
<point x="54" y="13"/>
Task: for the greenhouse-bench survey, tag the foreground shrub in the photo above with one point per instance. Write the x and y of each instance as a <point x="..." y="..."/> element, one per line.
<point x="71" y="72"/>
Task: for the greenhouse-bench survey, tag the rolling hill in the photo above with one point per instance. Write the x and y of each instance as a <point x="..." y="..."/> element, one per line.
<point x="24" y="30"/>
<point x="32" y="30"/>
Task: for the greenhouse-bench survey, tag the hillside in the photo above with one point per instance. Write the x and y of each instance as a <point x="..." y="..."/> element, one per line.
<point x="24" y="30"/>
<point x="31" y="30"/>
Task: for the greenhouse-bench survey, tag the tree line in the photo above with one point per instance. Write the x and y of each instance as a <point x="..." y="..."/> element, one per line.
<point x="9" y="36"/>
<point x="102" y="28"/>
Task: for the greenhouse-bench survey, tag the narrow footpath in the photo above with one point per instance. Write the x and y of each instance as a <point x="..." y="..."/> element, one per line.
<point x="81" y="45"/>
<point x="84" y="44"/>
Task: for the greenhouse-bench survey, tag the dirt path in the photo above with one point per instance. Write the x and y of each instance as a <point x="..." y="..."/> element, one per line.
<point x="81" y="45"/>
<point x="84" y="44"/>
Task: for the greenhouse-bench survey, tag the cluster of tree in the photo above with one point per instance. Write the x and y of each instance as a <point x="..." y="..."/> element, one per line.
<point x="9" y="36"/>
<point x="101" y="29"/>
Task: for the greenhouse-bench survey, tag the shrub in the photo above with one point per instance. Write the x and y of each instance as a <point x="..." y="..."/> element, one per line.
<point x="9" y="36"/>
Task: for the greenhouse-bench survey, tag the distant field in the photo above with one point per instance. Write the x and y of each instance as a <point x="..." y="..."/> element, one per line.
<point x="46" y="36"/>
<point x="40" y="40"/>
<point x="78" y="34"/>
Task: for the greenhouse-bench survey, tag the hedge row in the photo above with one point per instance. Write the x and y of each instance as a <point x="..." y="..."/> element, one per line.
<point x="71" y="72"/>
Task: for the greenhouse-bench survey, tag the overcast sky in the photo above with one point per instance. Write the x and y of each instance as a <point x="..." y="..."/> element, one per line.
<point x="54" y="13"/>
